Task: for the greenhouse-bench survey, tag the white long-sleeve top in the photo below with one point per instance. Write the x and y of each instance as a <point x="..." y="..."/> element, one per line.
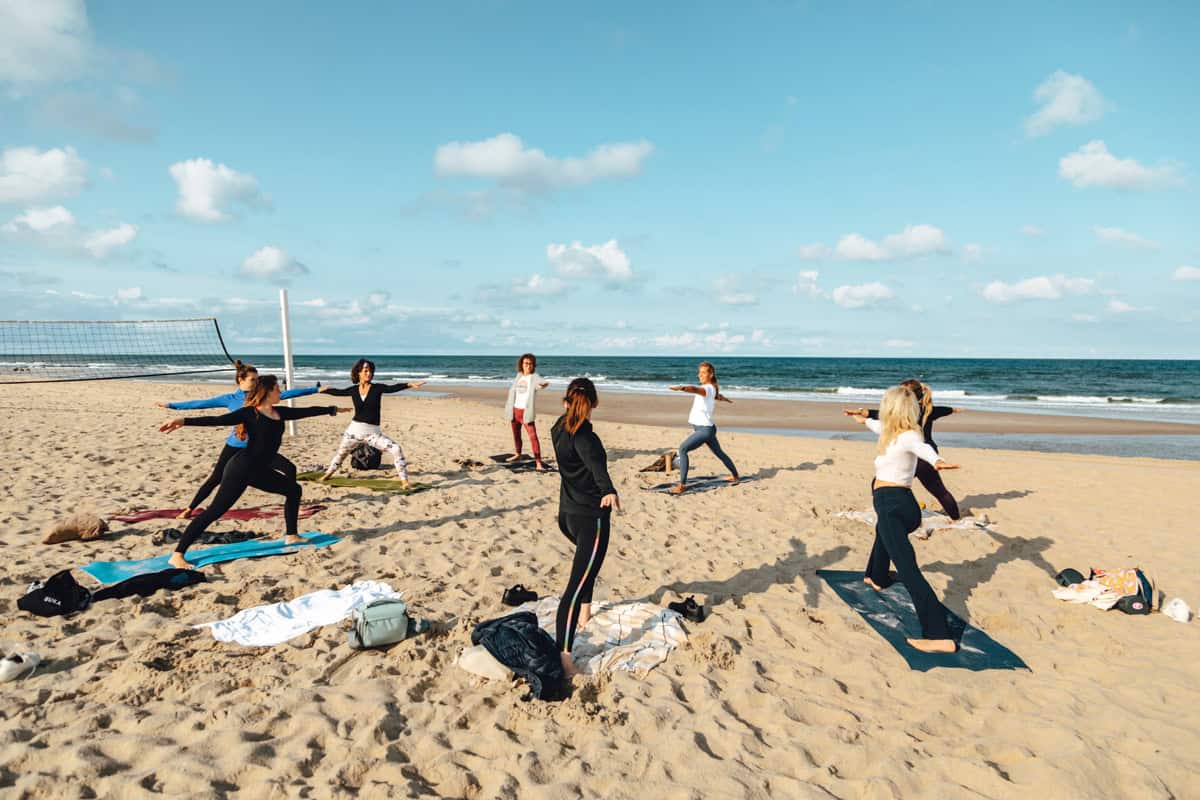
<point x="899" y="463"/>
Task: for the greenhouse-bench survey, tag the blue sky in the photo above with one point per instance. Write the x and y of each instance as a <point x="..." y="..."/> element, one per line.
<point x="915" y="179"/>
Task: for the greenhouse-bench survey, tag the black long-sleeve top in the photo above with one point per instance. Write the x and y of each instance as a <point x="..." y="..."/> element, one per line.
<point x="264" y="434"/>
<point x="583" y="467"/>
<point x="935" y="412"/>
<point x="366" y="409"/>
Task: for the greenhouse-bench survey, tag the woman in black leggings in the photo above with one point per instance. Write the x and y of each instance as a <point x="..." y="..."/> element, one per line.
<point x="585" y="503"/>
<point x="260" y="424"/>
<point x="926" y="474"/>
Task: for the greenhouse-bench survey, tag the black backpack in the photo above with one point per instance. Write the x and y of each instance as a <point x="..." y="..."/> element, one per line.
<point x="58" y="595"/>
<point x="363" y="456"/>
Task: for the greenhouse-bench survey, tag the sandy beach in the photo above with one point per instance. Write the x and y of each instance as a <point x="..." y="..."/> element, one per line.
<point x="782" y="692"/>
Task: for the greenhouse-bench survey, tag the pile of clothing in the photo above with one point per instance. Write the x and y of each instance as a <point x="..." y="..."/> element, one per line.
<point x="1127" y="589"/>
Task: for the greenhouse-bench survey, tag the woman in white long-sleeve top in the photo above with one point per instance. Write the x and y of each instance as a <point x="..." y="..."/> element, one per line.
<point x="521" y="407"/>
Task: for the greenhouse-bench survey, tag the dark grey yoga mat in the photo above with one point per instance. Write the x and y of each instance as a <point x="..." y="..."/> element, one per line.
<point x="703" y="484"/>
<point x="525" y="464"/>
<point x="892" y="615"/>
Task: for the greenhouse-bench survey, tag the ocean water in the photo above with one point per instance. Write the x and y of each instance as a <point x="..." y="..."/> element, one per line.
<point x="1167" y="391"/>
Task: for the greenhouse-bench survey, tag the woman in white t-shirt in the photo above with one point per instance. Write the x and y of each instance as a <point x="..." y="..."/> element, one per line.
<point x="704" y="430"/>
<point x="901" y="444"/>
<point x="521" y="406"/>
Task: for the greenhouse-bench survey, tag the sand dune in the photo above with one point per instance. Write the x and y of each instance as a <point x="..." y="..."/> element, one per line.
<point x="782" y="692"/>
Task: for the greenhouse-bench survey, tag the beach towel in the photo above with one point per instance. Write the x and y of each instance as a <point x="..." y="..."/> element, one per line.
<point x="892" y="615"/>
<point x="263" y="626"/>
<point x="630" y="637"/>
<point x="1105" y="588"/>
<point x="262" y="512"/>
<point x="703" y="484"/>
<point x="930" y="520"/>
<point x="114" y="571"/>
<point x="374" y="484"/>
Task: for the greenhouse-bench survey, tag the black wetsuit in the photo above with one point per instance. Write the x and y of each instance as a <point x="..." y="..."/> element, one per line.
<point x="258" y="464"/>
<point x="368" y="410"/>
<point x="583" y="467"/>
<point x="926" y="474"/>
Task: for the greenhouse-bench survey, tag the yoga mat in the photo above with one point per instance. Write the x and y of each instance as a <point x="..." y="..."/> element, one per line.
<point x="262" y="512"/>
<point x="524" y="464"/>
<point x="892" y="615"/>
<point x="114" y="571"/>
<point x="374" y="484"/>
<point x="704" y="484"/>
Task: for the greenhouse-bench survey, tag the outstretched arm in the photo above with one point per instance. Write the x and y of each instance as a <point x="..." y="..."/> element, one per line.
<point x="688" y="389"/>
<point x="220" y="401"/>
<point x="399" y="387"/>
<point x="290" y="393"/>
<point x="349" y="390"/>
<point x="289" y="414"/>
<point x="239" y="417"/>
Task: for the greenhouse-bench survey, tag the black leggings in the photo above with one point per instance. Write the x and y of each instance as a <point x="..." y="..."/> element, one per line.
<point x="899" y="515"/>
<point x="932" y="481"/>
<point x="589" y="534"/>
<point x="279" y="477"/>
<point x="280" y="464"/>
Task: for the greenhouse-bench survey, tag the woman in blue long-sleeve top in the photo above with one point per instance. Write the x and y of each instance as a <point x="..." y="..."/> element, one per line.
<point x="246" y="378"/>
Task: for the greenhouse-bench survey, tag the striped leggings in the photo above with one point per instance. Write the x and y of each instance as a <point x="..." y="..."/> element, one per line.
<point x="374" y="436"/>
<point x="589" y="534"/>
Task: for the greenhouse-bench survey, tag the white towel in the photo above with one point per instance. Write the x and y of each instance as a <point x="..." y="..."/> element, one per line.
<point x="1092" y="592"/>
<point x="263" y="626"/>
<point x="633" y="637"/>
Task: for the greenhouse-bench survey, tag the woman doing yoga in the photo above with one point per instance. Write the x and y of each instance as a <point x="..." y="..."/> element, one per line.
<point x="260" y="423"/>
<point x="898" y="515"/>
<point x="520" y="407"/>
<point x="246" y="376"/>
<point x="585" y="503"/>
<point x="704" y="430"/>
<point x="927" y="475"/>
<point x="368" y="399"/>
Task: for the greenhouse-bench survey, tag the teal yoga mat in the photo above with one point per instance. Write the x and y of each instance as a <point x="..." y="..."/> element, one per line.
<point x="892" y="615"/>
<point x="115" y="571"/>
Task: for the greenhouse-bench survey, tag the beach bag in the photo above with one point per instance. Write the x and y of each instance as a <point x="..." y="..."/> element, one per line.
<point x="363" y="456"/>
<point x="380" y="623"/>
<point x="1142" y="600"/>
<point x="58" y="595"/>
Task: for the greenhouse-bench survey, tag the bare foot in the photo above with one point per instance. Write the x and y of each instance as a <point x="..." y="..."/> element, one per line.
<point x="585" y="614"/>
<point x="540" y="466"/>
<point x="873" y="584"/>
<point x="680" y="489"/>
<point x="934" y="645"/>
<point x="326" y="476"/>
<point x="568" y="665"/>
<point x="178" y="561"/>
<point x="293" y="540"/>
<point x="734" y="480"/>
<point x="185" y="514"/>
<point x="514" y="457"/>
<point x="404" y="484"/>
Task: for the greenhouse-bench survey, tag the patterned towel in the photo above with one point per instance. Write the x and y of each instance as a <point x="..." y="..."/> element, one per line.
<point x="1104" y="590"/>
<point x="633" y="637"/>
<point x="930" y="520"/>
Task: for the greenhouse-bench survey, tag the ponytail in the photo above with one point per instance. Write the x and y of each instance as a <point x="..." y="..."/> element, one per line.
<point x="580" y="399"/>
<point x="243" y="370"/>
<point x="255" y="397"/>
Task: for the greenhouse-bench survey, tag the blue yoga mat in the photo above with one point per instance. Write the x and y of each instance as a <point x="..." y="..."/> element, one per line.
<point x="892" y="615"/>
<point x="114" y="571"/>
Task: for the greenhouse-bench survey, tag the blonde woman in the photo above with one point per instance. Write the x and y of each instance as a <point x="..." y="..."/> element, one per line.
<point x="521" y="407"/>
<point x="704" y="430"/>
<point x="901" y="444"/>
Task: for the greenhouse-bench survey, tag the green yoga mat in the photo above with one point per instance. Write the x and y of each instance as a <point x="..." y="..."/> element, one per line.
<point x="374" y="484"/>
<point x="893" y="617"/>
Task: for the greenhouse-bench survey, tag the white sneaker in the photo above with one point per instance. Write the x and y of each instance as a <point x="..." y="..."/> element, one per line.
<point x="1177" y="610"/>
<point x="18" y="666"/>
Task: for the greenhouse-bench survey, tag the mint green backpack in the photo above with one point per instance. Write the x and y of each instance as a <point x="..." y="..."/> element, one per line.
<point x="380" y="623"/>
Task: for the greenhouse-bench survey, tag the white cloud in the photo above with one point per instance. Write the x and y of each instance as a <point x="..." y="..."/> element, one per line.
<point x="43" y="40"/>
<point x="912" y="242"/>
<point x="272" y="264"/>
<point x="1053" y="287"/>
<point x="806" y="283"/>
<point x="101" y="243"/>
<point x="1085" y="318"/>
<point x="761" y="337"/>
<point x="133" y="293"/>
<point x="1033" y="231"/>
<point x="726" y="291"/>
<point x="1065" y="100"/>
<point x="1094" y="165"/>
<point x="812" y="252"/>
<point x="1125" y="237"/>
<point x="208" y="191"/>
<point x="28" y="174"/>
<point x="539" y="285"/>
<point x="861" y="296"/>
<point x="506" y="160"/>
<point x="575" y="260"/>
<point x="41" y="220"/>
<point x="1187" y="274"/>
<point x="1121" y="307"/>
<point x="972" y="253"/>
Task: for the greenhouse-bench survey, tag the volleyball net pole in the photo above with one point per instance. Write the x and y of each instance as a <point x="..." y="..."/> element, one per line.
<point x="288" y="367"/>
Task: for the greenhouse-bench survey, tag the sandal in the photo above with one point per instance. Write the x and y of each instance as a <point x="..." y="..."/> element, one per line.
<point x="689" y="609"/>
<point x="517" y="595"/>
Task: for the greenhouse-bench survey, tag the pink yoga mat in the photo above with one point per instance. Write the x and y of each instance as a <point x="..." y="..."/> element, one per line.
<point x="263" y="512"/>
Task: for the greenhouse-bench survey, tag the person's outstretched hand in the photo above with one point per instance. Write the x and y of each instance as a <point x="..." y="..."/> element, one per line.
<point x="941" y="465"/>
<point x="171" y="425"/>
<point x="163" y="405"/>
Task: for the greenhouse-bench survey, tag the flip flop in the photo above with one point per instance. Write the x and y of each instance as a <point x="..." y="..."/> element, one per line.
<point x="689" y="609"/>
<point x="516" y="595"/>
<point x="17" y="666"/>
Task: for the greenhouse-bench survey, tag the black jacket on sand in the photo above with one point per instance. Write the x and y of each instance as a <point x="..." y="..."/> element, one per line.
<point x="583" y="467"/>
<point x="518" y="643"/>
